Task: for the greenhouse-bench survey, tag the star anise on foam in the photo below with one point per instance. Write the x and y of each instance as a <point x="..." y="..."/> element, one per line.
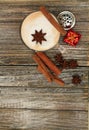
<point x="39" y="36"/>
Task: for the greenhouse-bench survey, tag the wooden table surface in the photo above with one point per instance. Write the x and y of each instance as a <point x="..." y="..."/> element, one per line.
<point x="27" y="100"/>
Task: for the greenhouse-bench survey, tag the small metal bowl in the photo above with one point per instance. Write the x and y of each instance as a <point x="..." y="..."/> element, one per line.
<point x="66" y="19"/>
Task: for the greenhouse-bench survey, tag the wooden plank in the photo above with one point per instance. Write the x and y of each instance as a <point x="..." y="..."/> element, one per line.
<point x="15" y="12"/>
<point x="24" y="57"/>
<point x="44" y="98"/>
<point x="13" y="54"/>
<point x="29" y="76"/>
<point x="45" y="119"/>
<point x="68" y="3"/>
<point x="88" y="110"/>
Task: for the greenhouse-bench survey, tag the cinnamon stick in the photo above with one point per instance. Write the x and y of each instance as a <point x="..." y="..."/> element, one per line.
<point x="55" y="79"/>
<point x="52" y="20"/>
<point x="45" y="73"/>
<point x="48" y="62"/>
<point x="42" y="68"/>
<point x="58" y="81"/>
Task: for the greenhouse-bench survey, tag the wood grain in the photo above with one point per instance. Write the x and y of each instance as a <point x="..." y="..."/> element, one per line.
<point x="44" y="98"/>
<point x="27" y="100"/>
<point x="29" y="76"/>
<point x="43" y="120"/>
<point x="68" y="3"/>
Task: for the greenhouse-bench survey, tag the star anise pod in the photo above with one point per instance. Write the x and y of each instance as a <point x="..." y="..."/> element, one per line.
<point x="73" y="64"/>
<point x="39" y="36"/>
<point x="66" y="64"/>
<point x="76" y="79"/>
<point x="59" y="59"/>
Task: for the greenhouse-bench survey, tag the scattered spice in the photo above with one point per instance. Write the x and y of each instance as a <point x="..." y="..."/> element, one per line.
<point x="72" y="38"/>
<point x="39" y="36"/>
<point x="76" y="79"/>
<point x="73" y="64"/>
<point x="68" y="64"/>
<point x="65" y="64"/>
<point x="59" y="58"/>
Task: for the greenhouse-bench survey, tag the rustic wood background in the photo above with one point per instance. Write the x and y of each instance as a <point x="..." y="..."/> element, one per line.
<point x="27" y="100"/>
